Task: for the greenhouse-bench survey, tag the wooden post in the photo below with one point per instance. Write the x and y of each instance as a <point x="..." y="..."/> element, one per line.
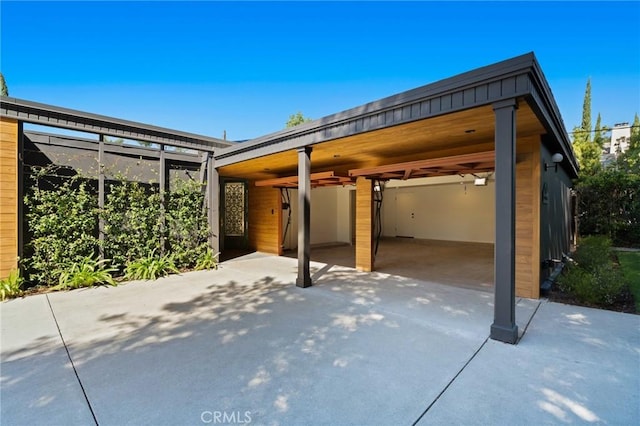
<point x="364" y="224"/>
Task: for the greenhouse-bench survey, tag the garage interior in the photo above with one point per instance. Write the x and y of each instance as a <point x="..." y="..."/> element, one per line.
<point x="428" y="169"/>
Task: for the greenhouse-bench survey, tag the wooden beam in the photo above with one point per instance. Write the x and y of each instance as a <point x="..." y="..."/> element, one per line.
<point x="317" y="179"/>
<point x="290" y="180"/>
<point x="478" y="158"/>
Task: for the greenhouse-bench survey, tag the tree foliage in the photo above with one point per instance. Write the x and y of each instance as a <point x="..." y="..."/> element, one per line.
<point x="585" y="125"/>
<point x="587" y="151"/>
<point x="609" y="204"/>
<point x="629" y="160"/>
<point x="296" y="119"/>
<point x="4" y="90"/>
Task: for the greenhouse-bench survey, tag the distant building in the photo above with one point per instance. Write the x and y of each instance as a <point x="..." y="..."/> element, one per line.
<point x="617" y="144"/>
<point x="620" y="139"/>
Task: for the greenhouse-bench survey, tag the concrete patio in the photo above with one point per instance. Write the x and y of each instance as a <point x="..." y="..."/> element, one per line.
<point x="244" y="345"/>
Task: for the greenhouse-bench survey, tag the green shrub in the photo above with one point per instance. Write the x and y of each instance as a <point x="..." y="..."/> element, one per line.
<point x="609" y="204"/>
<point x="151" y="268"/>
<point x="61" y="216"/>
<point x="11" y="286"/>
<point x="592" y="252"/>
<point x="87" y="273"/>
<point x="132" y="221"/>
<point x="186" y="223"/>
<point x="593" y="278"/>
<point x="207" y="260"/>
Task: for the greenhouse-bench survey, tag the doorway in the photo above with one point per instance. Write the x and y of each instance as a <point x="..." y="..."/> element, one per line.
<point x="234" y="214"/>
<point x="405" y="215"/>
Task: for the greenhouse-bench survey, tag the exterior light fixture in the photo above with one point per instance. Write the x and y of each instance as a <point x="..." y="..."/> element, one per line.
<point x="555" y="159"/>
<point x="480" y="181"/>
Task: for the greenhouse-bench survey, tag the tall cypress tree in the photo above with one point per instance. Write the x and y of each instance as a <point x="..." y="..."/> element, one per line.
<point x="586" y="112"/>
<point x="598" y="138"/>
<point x="587" y="152"/>
<point x="4" y="90"/>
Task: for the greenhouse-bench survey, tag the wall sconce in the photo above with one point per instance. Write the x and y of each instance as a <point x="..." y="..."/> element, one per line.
<point x="556" y="159"/>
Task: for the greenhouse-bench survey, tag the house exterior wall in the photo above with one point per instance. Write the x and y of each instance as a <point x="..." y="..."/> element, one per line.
<point x="528" y="217"/>
<point x="555" y="216"/>
<point x="265" y="219"/>
<point x="9" y="207"/>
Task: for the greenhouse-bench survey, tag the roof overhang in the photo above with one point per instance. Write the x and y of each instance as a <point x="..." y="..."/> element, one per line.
<point x="441" y="112"/>
<point x="48" y="115"/>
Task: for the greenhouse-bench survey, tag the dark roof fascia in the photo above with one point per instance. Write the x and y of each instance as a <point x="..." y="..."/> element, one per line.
<point x="469" y="79"/>
<point x="72" y="142"/>
<point x="548" y="108"/>
<point x="49" y="115"/>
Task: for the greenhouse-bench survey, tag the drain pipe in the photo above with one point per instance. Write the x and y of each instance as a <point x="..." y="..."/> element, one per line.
<point x="548" y="283"/>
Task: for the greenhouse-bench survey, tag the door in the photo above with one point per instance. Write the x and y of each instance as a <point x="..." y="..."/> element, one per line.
<point x="405" y="214"/>
<point x="233" y="220"/>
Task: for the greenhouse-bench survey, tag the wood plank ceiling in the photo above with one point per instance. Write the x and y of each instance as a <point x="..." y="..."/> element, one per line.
<point x="460" y="133"/>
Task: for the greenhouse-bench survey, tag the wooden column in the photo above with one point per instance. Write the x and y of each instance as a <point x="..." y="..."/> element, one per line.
<point x="364" y="224"/>
<point x="504" y="326"/>
<point x="9" y="200"/>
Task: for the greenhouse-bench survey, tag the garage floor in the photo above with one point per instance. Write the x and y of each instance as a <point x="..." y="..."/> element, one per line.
<point x="462" y="264"/>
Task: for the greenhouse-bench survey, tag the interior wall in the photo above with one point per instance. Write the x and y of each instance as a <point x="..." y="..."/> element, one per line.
<point x="330" y="216"/>
<point x="450" y="208"/>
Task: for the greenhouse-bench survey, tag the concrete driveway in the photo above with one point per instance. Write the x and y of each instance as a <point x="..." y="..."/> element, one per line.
<point x="243" y="345"/>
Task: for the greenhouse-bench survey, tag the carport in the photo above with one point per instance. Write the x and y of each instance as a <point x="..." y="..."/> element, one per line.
<point x="496" y="118"/>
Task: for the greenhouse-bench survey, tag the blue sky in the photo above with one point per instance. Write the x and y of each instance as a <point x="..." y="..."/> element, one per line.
<point x="206" y="67"/>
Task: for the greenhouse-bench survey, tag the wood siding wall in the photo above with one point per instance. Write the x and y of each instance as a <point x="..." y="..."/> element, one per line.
<point x="528" y="217"/>
<point x="364" y="225"/>
<point x="265" y="219"/>
<point x="8" y="196"/>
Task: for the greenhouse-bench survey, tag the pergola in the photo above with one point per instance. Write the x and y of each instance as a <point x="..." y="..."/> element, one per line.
<point x="15" y="112"/>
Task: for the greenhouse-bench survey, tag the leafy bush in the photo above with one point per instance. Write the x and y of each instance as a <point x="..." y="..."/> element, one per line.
<point x="609" y="205"/>
<point x="593" y="278"/>
<point x="207" y="260"/>
<point x="62" y="219"/>
<point x="151" y="268"/>
<point x="132" y="221"/>
<point x="87" y="273"/>
<point x="11" y="286"/>
<point x="62" y="229"/>
<point x="186" y="222"/>
<point x="593" y="251"/>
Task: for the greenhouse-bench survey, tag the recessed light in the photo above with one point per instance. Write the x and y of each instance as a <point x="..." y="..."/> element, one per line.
<point x="470" y="131"/>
